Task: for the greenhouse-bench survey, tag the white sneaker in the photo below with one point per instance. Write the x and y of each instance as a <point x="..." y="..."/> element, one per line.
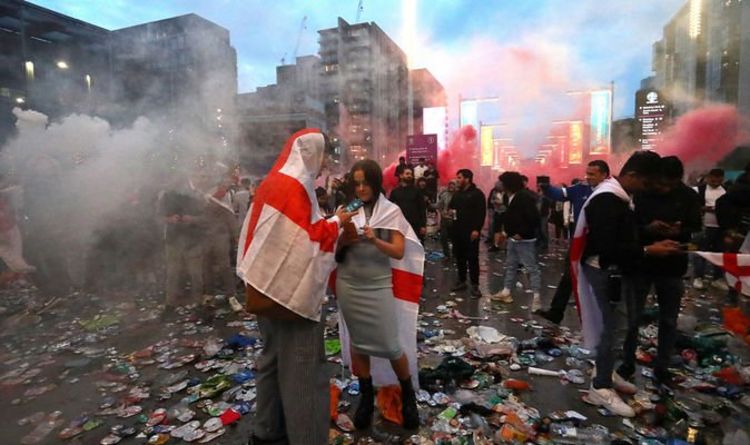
<point x="720" y="284"/>
<point x="609" y="399"/>
<point x="698" y="284"/>
<point x="503" y="296"/>
<point x="622" y="385"/>
<point x="536" y="303"/>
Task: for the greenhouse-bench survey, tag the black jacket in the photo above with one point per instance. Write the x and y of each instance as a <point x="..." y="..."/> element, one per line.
<point x="733" y="208"/>
<point x="522" y="216"/>
<point x="613" y="233"/>
<point x="411" y="201"/>
<point x="680" y="205"/>
<point x="470" y="210"/>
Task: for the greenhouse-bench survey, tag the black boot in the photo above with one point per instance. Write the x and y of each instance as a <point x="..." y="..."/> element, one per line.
<point x="409" y="405"/>
<point x="363" y="415"/>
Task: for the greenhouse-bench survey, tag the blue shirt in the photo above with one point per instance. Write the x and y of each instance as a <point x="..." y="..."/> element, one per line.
<point x="576" y="194"/>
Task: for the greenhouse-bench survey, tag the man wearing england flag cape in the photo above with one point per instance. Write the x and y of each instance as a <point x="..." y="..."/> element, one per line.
<point x="604" y="253"/>
<point x="285" y="255"/>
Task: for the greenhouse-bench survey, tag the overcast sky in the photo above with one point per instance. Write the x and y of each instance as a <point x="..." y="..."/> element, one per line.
<point x="584" y="43"/>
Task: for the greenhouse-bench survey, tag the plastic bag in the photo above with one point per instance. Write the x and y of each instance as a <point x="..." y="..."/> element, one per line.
<point x="389" y="404"/>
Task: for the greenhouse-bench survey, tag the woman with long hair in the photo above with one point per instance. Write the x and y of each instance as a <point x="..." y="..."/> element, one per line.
<point x="369" y="257"/>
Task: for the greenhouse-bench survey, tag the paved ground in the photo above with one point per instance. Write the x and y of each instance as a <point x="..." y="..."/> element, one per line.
<point x="78" y="361"/>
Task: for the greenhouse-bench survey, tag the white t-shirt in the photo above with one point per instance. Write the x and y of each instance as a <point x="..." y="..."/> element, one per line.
<point x="712" y="194"/>
<point x="419" y="171"/>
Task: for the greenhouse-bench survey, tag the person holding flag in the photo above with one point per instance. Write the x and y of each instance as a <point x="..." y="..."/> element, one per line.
<point x="378" y="286"/>
<point x="605" y="251"/>
<point x="285" y="256"/>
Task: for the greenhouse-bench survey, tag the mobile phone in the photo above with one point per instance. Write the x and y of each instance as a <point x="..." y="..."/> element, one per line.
<point x="688" y="246"/>
<point x="354" y="205"/>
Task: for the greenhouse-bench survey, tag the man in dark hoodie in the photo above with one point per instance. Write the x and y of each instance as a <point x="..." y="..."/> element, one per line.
<point x="733" y="215"/>
<point x="733" y="208"/>
<point x="468" y="205"/>
<point x="612" y="250"/>
<point x="671" y="211"/>
<point x="411" y="201"/>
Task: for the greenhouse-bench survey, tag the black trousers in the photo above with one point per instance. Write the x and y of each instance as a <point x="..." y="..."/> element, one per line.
<point x="466" y="252"/>
<point x="669" y="292"/>
<point x="445" y="239"/>
<point x="564" y="291"/>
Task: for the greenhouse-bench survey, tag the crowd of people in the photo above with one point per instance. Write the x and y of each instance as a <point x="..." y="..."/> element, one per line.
<point x="626" y="233"/>
<point x="175" y="236"/>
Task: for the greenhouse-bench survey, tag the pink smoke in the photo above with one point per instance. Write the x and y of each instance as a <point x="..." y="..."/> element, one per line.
<point x="530" y="78"/>
<point x="460" y="152"/>
<point x="389" y="179"/>
<point x="702" y="137"/>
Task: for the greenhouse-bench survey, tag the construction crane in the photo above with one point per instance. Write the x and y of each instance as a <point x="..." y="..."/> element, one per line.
<point x="302" y="27"/>
<point x="360" y="8"/>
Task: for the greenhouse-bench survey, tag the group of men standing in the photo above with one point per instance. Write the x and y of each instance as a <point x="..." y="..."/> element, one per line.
<point x="633" y="231"/>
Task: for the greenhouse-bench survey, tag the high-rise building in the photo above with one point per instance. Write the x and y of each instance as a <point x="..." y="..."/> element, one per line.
<point x="728" y="53"/>
<point x="184" y="65"/>
<point x="704" y="55"/>
<point x="183" y="69"/>
<point x="50" y="62"/>
<point x="428" y="92"/>
<point x="679" y="58"/>
<point x="267" y="117"/>
<point x="364" y="90"/>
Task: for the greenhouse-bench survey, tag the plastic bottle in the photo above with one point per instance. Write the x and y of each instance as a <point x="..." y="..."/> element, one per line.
<point x="542" y="357"/>
<point x="573" y="362"/>
<point x="580" y="436"/>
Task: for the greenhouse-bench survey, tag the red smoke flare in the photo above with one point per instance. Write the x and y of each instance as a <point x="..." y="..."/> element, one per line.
<point x="389" y="180"/>
<point x="460" y="152"/>
<point x="702" y="137"/>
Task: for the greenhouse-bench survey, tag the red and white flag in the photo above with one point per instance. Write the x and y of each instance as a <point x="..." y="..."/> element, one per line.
<point x="736" y="267"/>
<point x="286" y="249"/>
<point x="588" y="306"/>
<point x="407" y="275"/>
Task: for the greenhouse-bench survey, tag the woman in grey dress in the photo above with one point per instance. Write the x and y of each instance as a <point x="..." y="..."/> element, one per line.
<point x="364" y="289"/>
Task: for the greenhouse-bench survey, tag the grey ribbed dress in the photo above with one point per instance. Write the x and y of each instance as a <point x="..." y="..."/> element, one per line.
<point x="364" y="289"/>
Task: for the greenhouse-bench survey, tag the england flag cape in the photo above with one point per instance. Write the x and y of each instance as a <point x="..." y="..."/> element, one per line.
<point x="407" y="289"/>
<point x="588" y="307"/>
<point x="736" y="266"/>
<point x="286" y="249"/>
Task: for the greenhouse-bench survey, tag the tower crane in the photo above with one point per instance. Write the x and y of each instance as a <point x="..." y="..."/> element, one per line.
<point x="360" y="8"/>
<point x="302" y="27"/>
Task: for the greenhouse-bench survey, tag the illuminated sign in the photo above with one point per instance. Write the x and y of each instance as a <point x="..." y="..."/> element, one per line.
<point x="651" y="112"/>
<point x="497" y="155"/>
<point x="421" y="146"/>
<point x="434" y="122"/>
<point x="562" y="146"/>
<point x="469" y="113"/>
<point x="601" y="122"/>
<point x="486" y="140"/>
<point x="575" y="142"/>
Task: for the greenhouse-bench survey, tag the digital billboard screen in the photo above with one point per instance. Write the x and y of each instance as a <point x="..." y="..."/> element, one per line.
<point x="601" y="122"/>
<point x="433" y="122"/>
<point x="575" y="142"/>
<point x="487" y="145"/>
